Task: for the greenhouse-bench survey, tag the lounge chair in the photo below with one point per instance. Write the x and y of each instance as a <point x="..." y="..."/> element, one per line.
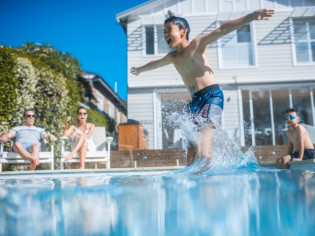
<point x="101" y="155"/>
<point x="12" y="157"/>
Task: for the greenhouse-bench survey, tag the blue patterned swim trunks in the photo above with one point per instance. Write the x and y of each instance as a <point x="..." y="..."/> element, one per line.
<point x="308" y="154"/>
<point x="206" y="106"/>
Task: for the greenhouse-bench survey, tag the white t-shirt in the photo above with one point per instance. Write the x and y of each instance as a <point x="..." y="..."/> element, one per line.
<point x="27" y="134"/>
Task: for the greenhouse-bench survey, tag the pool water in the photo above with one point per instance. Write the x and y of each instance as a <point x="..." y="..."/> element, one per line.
<point x="237" y="201"/>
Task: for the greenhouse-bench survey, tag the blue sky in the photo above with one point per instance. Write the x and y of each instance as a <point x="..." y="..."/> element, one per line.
<point x="85" y="29"/>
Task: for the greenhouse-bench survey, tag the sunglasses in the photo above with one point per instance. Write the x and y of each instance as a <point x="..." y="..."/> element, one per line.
<point x="29" y="116"/>
<point x="81" y="113"/>
<point x="291" y="117"/>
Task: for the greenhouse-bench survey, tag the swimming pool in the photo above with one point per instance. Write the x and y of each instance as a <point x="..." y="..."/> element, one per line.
<point x="246" y="200"/>
<point x="230" y="195"/>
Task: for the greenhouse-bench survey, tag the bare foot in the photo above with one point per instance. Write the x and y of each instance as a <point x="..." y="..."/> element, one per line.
<point x="32" y="165"/>
<point x="68" y="157"/>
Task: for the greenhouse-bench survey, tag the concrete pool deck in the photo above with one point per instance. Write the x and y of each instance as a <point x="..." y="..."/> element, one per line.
<point x="87" y="171"/>
<point x="164" y="159"/>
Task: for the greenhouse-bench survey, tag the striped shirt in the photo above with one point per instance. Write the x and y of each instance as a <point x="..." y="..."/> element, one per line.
<point x="31" y="134"/>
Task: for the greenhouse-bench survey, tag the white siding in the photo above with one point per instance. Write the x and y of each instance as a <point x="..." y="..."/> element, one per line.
<point x="140" y="108"/>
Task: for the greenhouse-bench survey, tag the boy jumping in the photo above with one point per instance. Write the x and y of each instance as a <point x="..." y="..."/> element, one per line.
<point x="300" y="143"/>
<point x="191" y="61"/>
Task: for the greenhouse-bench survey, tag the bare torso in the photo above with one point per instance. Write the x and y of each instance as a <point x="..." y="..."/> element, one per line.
<point x="194" y="67"/>
<point x="297" y="134"/>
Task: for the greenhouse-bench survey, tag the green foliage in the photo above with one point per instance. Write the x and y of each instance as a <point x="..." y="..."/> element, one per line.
<point x="8" y="85"/>
<point x="111" y="124"/>
<point x="52" y="102"/>
<point x="26" y="89"/>
<point x="60" y="62"/>
<point x="97" y="118"/>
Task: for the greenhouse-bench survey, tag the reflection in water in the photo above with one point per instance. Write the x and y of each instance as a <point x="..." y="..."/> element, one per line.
<point x="245" y="201"/>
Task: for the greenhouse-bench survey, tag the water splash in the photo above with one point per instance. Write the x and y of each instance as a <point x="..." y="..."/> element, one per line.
<point x="226" y="151"/>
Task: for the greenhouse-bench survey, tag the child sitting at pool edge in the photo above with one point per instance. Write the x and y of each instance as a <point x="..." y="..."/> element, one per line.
<point x="300" y="144"/>
<point x="191" y="61"/>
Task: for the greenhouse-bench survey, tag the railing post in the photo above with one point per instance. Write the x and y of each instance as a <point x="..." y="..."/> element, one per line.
<point x="52" y="151"/>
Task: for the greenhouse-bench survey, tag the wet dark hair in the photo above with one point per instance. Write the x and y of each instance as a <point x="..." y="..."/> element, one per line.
<point x="180" y="22"/>
<point x="291" y="110"/>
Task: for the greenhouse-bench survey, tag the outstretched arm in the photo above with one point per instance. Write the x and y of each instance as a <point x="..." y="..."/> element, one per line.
<point x="150" y="66"/>
<point x="228" y="27"/>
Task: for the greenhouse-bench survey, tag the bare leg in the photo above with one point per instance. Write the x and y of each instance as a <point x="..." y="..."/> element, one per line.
<point x="82" y="154"/>
<point x="33" y="157"/>
<point x="205" y="143"/>
<point x="282" y="162"/>
<point x="77" y="147"/>
<point x="35" y="154"/>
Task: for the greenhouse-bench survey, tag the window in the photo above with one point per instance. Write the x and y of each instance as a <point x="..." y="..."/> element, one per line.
<point x="174" y="119"/>
<point x="154" y="40"/>
<point x="149" y="40"/>
<point x="100" y="102"/>
<point x="302" y="102"/>
<point x="304" y="38"/>
<point x="280" y="102"/>
<point x="118" y="117"/>
<point x="237" y="49"/>
<point x="111" y="110"/>
<point x="161" y="44"/>
<point x="263" y="111"/>
<point x="262" y="118"/>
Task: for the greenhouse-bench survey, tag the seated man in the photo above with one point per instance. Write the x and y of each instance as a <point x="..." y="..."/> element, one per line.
<point x="27" y="138"/>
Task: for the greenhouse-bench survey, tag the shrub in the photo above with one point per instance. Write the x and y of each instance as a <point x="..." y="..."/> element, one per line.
<point x="51" y="101"/>
<point x="8" y="85"/>
<point x="26" y="89"/>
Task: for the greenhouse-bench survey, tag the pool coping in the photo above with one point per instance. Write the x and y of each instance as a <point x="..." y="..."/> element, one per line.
<point x="86" y="171"/>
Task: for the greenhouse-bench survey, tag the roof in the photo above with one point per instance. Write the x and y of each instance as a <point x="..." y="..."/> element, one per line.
<point x="123" y="16"/>
<point x="298" y="11"/>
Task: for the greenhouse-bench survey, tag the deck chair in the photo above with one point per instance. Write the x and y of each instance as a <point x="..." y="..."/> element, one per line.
<point x="101" y="155"/>
<point x="12" y="157"/>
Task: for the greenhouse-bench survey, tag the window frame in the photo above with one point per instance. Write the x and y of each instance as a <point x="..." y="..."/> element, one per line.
<point x="100" y="101"/>
<point x="111" y="110"/>
<point x="254" y="49"/>
<point x="270" y="88"/>
<point x="155" y="39"/>
<point x="293" y="45"/>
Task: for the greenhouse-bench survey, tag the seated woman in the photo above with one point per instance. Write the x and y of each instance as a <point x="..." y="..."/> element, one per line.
<point x="80" y="135"/>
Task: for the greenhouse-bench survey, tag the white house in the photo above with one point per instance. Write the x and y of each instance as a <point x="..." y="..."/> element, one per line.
<point x="263" y="68"/>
